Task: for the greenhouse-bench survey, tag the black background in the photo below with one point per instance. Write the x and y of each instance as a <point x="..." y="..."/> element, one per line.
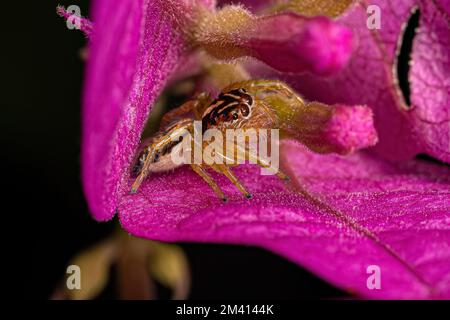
<point x="42" y="78"/>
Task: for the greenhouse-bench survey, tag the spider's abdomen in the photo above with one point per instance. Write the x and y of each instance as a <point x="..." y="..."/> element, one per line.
<point x="162" y="143"/>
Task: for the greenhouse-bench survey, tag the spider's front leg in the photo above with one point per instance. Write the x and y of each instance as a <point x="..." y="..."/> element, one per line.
<point x="195" y="106"/>
<point x="226" y="171"/>
<point x="144" y="170"/>
<point x="157" y="155"/>
<point x="198" y="169"/>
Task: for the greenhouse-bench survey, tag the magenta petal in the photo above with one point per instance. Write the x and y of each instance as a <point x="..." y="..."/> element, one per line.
<point x="134" y="52"/>
<point x="366" y="80"/>
<point x="443" y="5"/>
<point x="252" y="5"/>
<point x="372" y="213"/>
<point x="430" y="84"/>
<point x="369" y="78"/>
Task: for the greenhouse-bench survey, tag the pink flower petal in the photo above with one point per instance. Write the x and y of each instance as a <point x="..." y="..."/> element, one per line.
<point x="363" y="210"/>
<point x="136" y="50"/>
<point x="369" y="79"/>
<point x="253" y="5"/>
<point x="443" y="5"/>
<point x="370" y="212"/>
<point x="430" y="84"/>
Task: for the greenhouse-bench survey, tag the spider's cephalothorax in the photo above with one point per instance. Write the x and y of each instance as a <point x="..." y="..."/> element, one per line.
<point x="249" y="104"/>
<point x="228" y="110"/>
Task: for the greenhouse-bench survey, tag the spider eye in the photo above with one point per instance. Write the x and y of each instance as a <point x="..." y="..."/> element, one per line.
<point x="235" y="116"/>
<point x="245" y="111"/>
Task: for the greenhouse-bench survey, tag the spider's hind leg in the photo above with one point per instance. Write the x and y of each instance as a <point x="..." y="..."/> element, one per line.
<point x="266" y="165"/>
<point x="257" y="159"/>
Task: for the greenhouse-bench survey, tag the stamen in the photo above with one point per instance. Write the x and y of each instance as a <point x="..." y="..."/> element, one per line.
<point x="315" y="44"/>
<point x="85" y="25"/>
<point x="329" y="8"/>
<point x="340" y="129"/>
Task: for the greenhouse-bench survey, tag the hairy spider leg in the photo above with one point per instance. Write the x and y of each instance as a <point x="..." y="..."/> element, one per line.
<point x="209" y="180"/>
<point x="264" y="164"/>
<point x="201" y="102"/>
<point x="154" y="149"/>
<point x="256" y="87"/>
<point x="256" y="159"/>
<point x="226" y="171"/>
<point x="145" y="170"/>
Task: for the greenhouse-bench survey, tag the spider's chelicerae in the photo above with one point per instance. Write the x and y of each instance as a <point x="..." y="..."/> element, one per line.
<point x="242" y="105"/>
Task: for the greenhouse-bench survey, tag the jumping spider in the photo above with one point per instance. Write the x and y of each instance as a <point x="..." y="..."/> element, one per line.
<point x="242" y="105"/>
